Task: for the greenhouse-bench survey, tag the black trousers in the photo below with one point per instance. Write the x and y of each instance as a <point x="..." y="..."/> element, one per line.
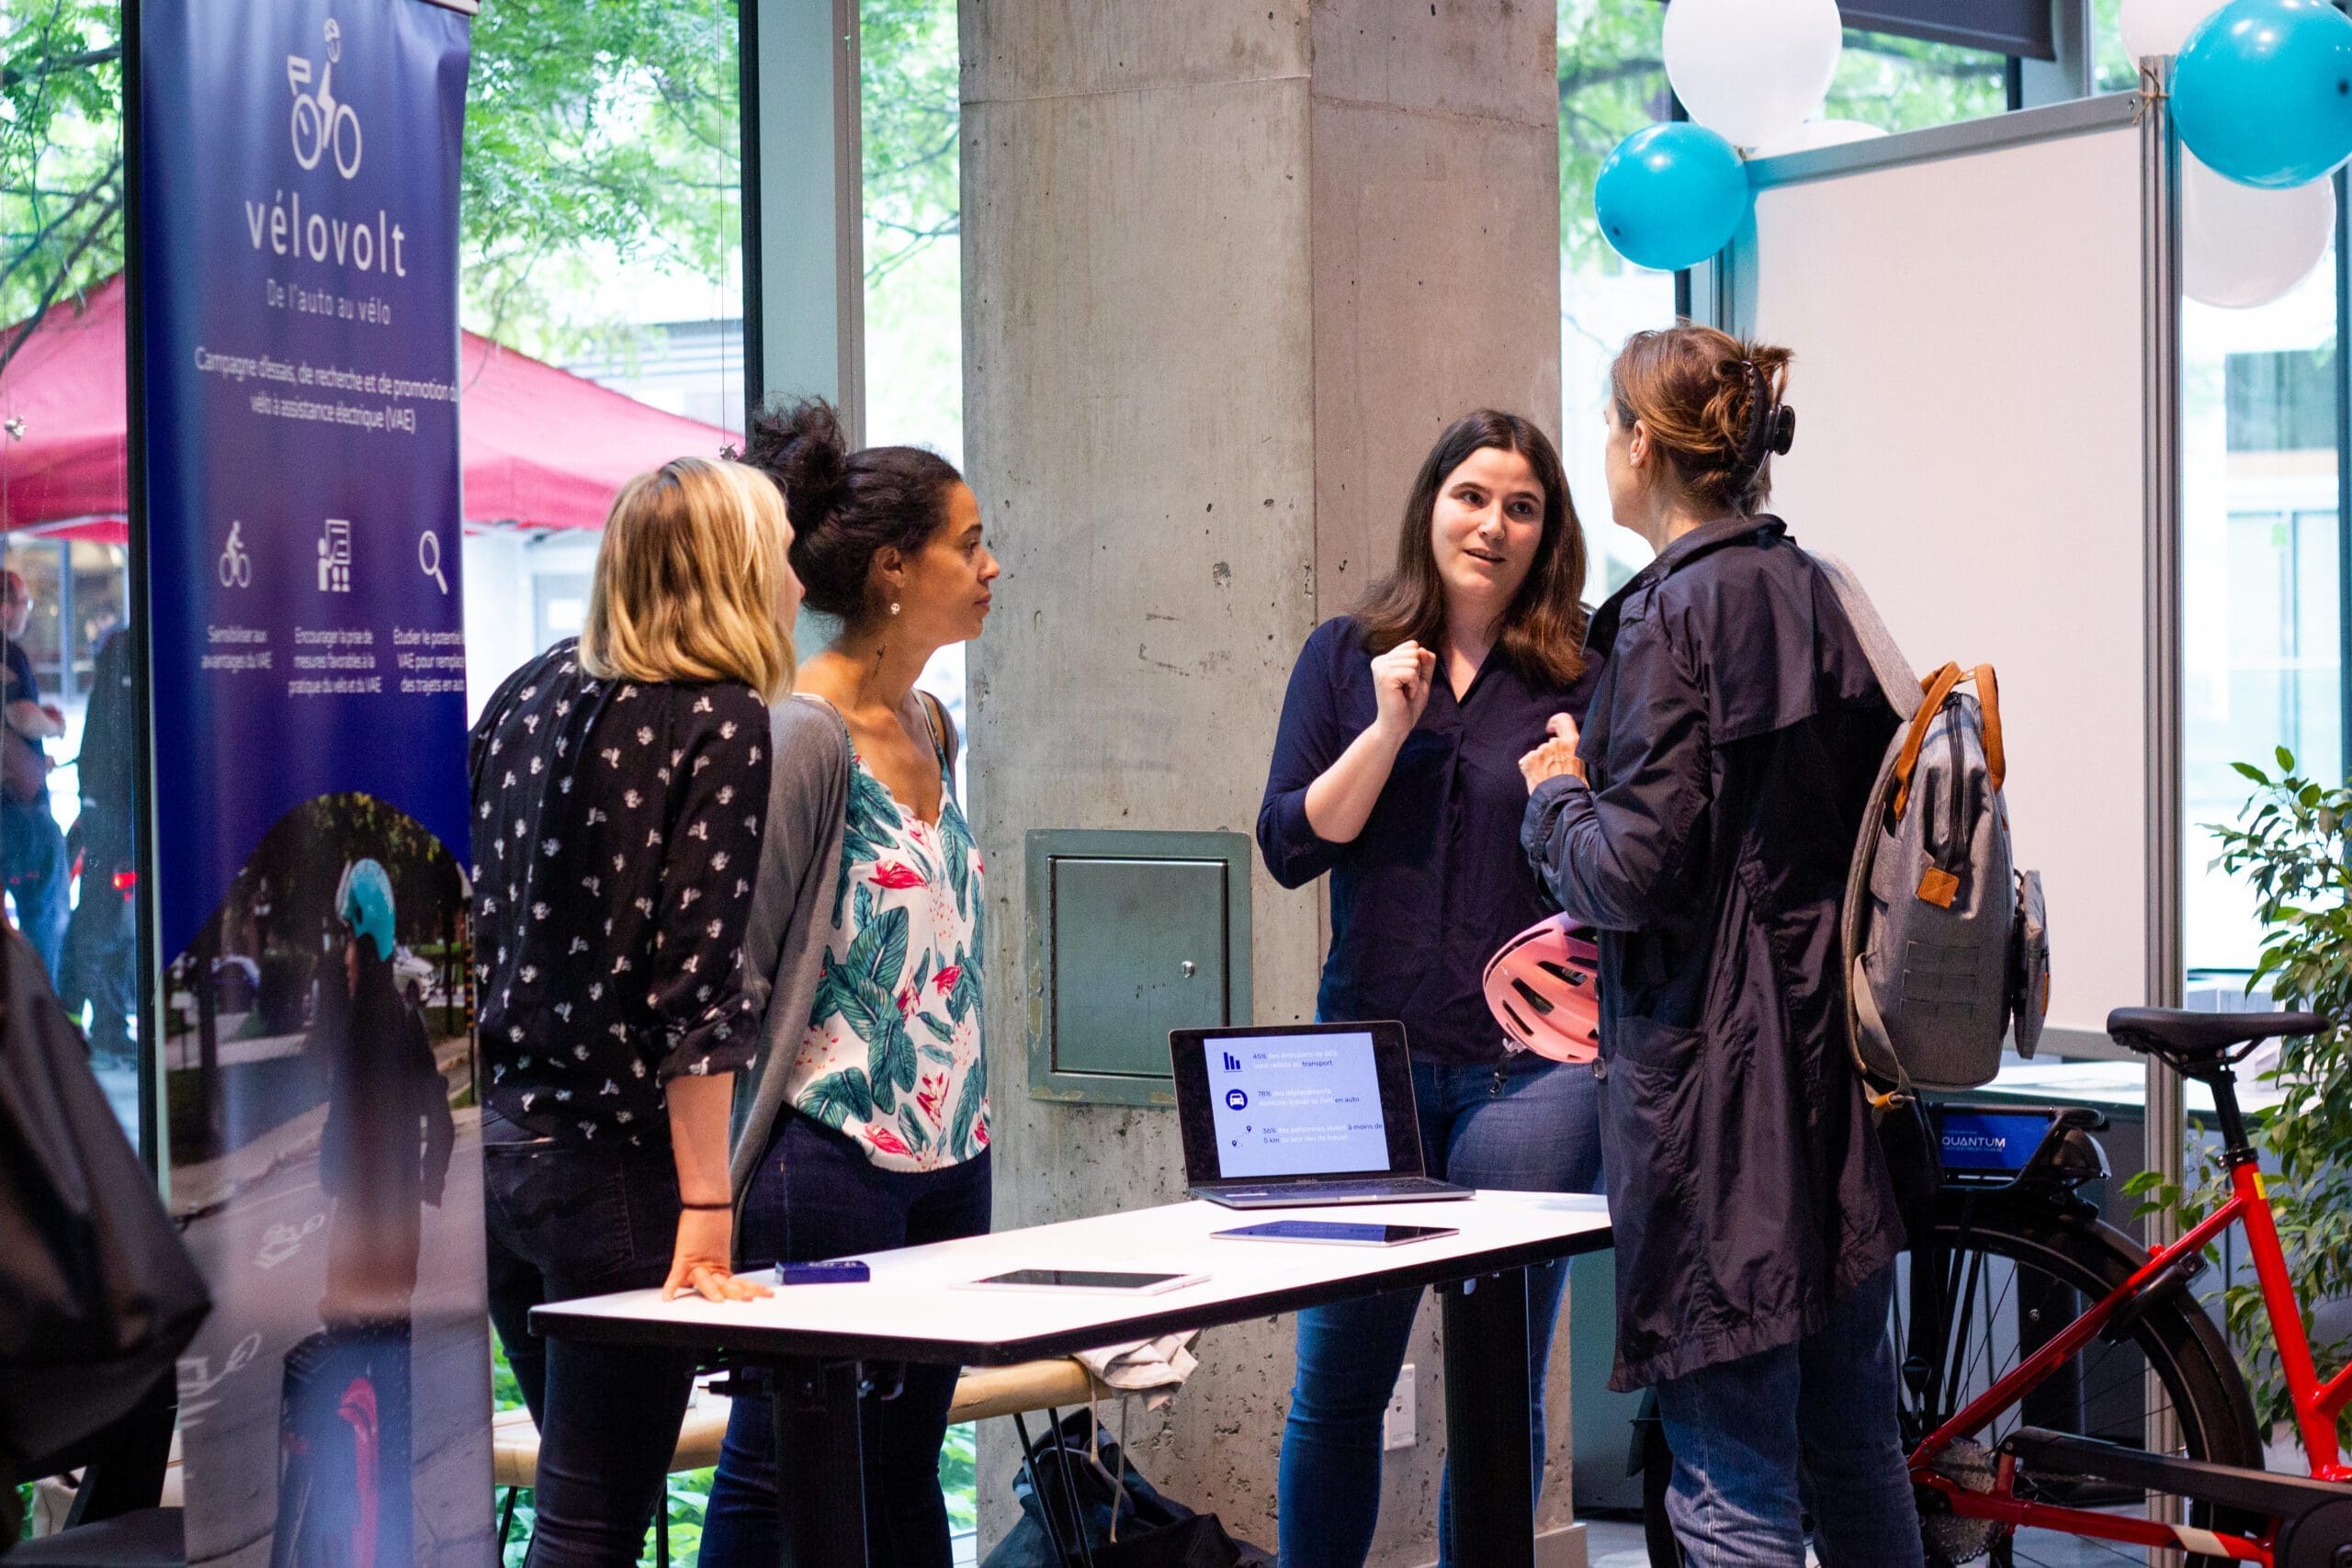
<point x="818" y="1196"/>
<point x="566" y="1220"/>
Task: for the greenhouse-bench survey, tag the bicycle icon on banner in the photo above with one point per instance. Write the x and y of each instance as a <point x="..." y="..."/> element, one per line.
<point x="236" y="565"/>
<point x="318" y="120"/>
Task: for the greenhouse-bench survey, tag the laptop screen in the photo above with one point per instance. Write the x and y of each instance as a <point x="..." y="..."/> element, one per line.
<point x="1296" y="1105"/>
<point x="1268" y="1103"/>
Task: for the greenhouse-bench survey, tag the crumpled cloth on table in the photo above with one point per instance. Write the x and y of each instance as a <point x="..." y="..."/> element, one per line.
<point x="1156" y="1367"/>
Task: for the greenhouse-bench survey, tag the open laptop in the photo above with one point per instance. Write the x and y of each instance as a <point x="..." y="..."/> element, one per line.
<point x="1300" y="1115"/>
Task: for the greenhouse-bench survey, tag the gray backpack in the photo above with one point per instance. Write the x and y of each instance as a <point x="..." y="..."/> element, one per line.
<point x="1946" y="945"/>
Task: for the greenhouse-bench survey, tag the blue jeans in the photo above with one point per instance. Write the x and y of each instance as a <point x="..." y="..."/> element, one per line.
<point x="1528" y="1125"/>
<point x="566" y="1220"/>
<point x="816" y="1196"/>
<point x="1753" y="1437"/>
<point x="32" y="850"/>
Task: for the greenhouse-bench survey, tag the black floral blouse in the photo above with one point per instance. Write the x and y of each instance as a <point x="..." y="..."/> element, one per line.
<point x="616" y="833"/>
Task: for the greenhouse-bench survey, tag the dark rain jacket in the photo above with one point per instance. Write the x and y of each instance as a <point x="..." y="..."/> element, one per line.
<point x="1731" y="746"/>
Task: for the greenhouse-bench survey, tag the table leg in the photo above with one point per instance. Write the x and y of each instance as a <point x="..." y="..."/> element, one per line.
<point x="1486" y="1418"/>
<point x="819" y="1464"/>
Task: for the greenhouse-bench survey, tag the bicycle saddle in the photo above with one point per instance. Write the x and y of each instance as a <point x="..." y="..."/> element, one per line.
<point x="2195" y="1039"/>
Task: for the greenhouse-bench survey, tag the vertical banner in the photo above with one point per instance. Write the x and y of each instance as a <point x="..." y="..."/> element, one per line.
<point x="297" y="298"/>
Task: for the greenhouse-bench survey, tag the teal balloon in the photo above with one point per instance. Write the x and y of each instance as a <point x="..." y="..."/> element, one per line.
<point x="2262" y="90"/>
<point x="1671" y="196"/>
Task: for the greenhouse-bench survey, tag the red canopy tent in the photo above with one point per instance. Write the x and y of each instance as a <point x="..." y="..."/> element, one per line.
<point x="541" y="447"/>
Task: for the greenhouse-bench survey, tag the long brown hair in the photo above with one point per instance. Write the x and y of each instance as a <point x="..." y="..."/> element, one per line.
<point x="1696" y="388"/>
<point x="1542" y="627"/>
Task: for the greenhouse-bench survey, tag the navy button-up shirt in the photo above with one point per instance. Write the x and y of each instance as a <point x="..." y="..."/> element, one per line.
<point x="1436" y="881"/>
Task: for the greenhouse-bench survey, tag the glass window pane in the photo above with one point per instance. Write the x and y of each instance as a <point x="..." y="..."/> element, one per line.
<point x="1612" y="82"/>
<point x="1902" y="84"/>
<point x="2260" y="624"/>
<point x="67" y="842"/>
<point x="2112" y="70"/>
<point x="603" y="241"/>
<point x="910" y="108"/>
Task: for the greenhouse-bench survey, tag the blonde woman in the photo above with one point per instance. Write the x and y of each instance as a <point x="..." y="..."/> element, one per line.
<point x="620" y="787"/>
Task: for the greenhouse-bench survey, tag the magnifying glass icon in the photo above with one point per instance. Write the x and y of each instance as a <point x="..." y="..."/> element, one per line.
<point x="428" y="556"/>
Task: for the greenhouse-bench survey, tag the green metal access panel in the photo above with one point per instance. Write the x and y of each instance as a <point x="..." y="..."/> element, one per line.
<point x="1131" y="935"/>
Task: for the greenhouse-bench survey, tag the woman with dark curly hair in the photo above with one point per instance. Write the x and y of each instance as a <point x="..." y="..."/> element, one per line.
<point x="868" y="1125"/>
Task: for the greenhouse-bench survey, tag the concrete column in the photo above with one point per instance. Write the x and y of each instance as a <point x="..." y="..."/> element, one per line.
<point x="1229" y="266"/>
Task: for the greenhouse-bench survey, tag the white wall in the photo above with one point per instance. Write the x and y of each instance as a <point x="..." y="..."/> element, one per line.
<point x="500" y="621"/>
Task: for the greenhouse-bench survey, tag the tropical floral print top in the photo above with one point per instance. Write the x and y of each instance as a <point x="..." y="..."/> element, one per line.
<point x="892" y="1052"/>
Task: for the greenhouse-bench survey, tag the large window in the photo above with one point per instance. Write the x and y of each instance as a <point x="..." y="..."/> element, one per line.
<point x="911" y="112"/>
<point x="2262" y="659"/>
<point x="2113" y="71"/>
<point x="1612" y="82"/>
<point x="1900" y="84"/>
<point x="910" y="115"/>
<point x="602" y="288"/>
<point x="68" y="843"/>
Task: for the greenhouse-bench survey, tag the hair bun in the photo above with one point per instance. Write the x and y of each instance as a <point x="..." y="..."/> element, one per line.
<point x="801" y="446"/>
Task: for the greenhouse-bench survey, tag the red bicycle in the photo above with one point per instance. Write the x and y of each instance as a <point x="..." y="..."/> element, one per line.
<point x="2058" y="1377"/>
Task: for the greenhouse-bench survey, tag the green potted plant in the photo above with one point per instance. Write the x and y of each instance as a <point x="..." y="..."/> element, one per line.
<point x="2292" y="848"/>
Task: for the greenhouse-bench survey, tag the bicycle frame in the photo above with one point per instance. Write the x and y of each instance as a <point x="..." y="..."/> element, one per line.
<point x="2317" y="1405"/>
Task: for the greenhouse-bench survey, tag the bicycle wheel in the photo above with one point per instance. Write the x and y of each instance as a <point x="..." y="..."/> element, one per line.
<point x="306" y="112"/>
<point x="2004" y="1272"/>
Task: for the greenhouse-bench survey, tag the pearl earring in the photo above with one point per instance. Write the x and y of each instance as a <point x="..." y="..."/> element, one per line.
<point x="894" y="606"/>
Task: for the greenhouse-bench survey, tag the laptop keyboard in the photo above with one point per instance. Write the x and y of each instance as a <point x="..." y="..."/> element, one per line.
<point x="1340" y="1192"/>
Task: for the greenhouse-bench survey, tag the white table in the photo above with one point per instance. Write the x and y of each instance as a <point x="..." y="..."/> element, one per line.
<point x="817" y="1337"/>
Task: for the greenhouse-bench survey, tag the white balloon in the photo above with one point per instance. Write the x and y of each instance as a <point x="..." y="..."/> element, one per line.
<point x="1815" y="133"/>
<point x="2243" y="246"/>
<point x="2161" y="26"/>
<point x="1752" y="69"/>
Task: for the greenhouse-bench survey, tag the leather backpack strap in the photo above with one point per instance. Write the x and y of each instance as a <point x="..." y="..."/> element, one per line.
<point x="1938" y="686"/>
<point x="1988" y="697"/>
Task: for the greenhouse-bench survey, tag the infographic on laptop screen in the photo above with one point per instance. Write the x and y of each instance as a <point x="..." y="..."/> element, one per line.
<point x="1296" y="1105"/>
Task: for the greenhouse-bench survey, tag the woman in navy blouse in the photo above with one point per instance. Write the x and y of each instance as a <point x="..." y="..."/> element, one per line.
<point x="1396" y="771"/>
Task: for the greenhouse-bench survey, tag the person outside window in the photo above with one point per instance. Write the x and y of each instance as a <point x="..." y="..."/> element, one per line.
<point x="32" y="848"/>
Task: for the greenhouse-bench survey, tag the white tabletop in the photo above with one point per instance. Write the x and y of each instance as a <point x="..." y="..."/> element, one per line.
<point x="910" y="1309"/>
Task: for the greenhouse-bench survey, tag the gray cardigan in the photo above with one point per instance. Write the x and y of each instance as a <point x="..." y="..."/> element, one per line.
<point x="800" y="863"/>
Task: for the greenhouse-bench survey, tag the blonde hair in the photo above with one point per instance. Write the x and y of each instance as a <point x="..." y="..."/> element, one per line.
<point x="1696" y="388"/>
<point x="688" y="578"/>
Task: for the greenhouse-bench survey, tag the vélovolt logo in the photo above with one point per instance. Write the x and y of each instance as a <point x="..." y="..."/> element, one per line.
<point x="322" y="123"/>
<point x="319" y="121"/>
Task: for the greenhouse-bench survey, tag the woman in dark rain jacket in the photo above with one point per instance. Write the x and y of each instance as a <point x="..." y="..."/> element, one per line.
<point x="1702" y="823"/>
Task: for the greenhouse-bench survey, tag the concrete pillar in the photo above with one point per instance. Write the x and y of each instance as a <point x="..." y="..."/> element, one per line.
<point x="1229" y="266"/>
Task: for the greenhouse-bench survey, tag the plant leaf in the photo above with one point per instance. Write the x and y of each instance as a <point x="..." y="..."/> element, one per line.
<point x="838" y="1098"/>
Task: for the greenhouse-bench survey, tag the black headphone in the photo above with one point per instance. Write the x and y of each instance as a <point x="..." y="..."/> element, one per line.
<point x="1771" y="427"/>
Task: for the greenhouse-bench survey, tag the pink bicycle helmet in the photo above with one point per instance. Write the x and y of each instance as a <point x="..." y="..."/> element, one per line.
<point x="1544" y="988"/>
